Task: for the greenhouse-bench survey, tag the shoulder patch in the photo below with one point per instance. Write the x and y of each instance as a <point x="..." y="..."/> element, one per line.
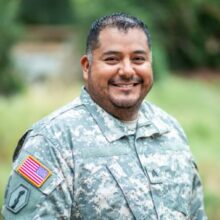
<point x="34" y="171"/>
<point x="18" y="198"/>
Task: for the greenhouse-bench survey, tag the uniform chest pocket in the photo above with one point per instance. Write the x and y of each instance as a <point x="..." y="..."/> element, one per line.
<point x="117" y="190"/>
<point x="171" y="192"/>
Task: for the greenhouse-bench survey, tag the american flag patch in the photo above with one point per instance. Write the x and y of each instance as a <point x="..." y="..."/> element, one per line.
<point x="34" y="171"/>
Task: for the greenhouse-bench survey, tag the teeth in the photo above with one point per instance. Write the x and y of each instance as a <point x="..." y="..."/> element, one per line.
<point x="124" y="86"/>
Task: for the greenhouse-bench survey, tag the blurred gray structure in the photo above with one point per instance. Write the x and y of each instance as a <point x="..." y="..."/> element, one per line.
<point x="46" y="52"/>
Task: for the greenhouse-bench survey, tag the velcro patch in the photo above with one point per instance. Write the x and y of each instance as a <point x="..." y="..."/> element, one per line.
<point x="34" y="171"/>
<point x="18" y="198"/>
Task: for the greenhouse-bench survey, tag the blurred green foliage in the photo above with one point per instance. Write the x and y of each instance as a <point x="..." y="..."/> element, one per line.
<point x="10" y="81"/>
<point x="46" y="12"/>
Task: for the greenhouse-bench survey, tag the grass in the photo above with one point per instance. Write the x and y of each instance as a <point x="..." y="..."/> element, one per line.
<point x="195" y="104"/>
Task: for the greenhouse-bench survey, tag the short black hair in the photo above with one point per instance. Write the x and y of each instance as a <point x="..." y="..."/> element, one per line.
<point x="122" y="21"/>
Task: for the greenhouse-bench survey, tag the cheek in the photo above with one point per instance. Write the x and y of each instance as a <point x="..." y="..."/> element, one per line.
<point x="148" y="78"/>
<point x="98" y="82"/>
<point x="101" y="79"/>
<point x="147" y="74"/>
<point x="107" y="71"/>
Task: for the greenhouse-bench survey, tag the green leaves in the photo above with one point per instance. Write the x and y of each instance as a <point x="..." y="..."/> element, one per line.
<point x="9" y="33"/>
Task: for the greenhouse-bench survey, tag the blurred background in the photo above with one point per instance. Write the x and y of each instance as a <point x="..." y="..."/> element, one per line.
<point x="41" y="42"/>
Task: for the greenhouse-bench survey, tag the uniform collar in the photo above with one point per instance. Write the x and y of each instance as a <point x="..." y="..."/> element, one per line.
<point x="113" y="129"/>
<point x="149" y="123"/>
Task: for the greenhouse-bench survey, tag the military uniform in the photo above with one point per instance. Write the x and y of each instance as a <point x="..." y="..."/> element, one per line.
<point x="93" y="167"/>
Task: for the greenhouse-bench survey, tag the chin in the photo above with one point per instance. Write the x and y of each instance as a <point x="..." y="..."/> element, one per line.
<point x="125" y="103"/>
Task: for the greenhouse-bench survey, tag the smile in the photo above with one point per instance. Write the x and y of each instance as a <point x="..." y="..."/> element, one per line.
<point x="125" y="85"/>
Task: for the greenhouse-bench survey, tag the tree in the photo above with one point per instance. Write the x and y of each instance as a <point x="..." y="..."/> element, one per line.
<point x="9" y="31"/>
<point x="46" y="12"/>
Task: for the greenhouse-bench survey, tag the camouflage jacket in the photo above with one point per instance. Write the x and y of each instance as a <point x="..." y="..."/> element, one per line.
<point x="89" y="165"/>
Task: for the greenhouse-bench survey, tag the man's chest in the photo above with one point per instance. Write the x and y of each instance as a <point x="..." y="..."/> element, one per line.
<point x="131" y="179"/>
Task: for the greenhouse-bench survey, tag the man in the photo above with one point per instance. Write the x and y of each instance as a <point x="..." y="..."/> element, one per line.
<point x="107" y="155"/>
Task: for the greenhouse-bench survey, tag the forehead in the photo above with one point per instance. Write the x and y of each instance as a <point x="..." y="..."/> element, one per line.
<point x="113" y="38"/>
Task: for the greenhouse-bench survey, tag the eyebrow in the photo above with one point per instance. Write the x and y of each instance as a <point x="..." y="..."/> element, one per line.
<point x="111" y="52"/>
<point x="114" y="52"/>
<point x="140" y="52"/>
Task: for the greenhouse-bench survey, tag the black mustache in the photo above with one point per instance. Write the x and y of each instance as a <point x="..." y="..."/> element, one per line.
<point x="126" y="81"/>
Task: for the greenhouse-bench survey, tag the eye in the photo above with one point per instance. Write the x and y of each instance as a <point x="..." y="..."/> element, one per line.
<point x="111" y="60"/>
<point x="139" y="59"/>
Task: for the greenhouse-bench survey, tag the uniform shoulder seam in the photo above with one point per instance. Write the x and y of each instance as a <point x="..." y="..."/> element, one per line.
<point x="52" y="116"/>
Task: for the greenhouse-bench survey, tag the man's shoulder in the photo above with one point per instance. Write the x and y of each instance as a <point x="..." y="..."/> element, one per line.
<point x="67" y="111"/>
<point x="61" y="119"/>
<point x="55" y="125"/>
<point x="159" y="116"/>
<point x="154" y="111"/>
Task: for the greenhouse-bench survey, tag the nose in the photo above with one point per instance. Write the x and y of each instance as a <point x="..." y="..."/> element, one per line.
<point x="126" y="69"/>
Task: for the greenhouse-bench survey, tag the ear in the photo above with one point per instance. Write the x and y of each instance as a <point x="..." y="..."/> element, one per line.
<point x="85" y="67"/>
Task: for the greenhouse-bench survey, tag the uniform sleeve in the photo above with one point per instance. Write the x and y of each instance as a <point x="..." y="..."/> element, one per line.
<point x="197" y="208"/>
<point x="40" y="185"/>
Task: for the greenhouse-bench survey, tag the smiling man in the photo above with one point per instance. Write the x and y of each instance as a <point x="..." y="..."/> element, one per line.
<point x="107" y="154"/>
<point x="118" y="74"/>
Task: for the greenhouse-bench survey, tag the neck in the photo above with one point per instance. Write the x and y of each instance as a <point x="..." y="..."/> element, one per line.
<point x="124" y="114"/>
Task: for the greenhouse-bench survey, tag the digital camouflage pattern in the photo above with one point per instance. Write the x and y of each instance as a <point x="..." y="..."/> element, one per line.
<point x="102" y="170"/>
